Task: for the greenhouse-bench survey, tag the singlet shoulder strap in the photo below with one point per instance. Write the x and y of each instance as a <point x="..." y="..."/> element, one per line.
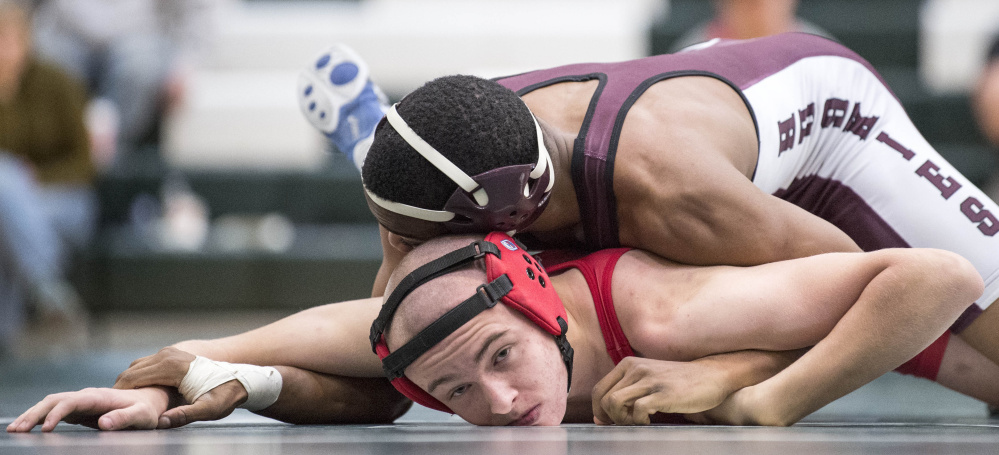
<point x="598" y="271"/>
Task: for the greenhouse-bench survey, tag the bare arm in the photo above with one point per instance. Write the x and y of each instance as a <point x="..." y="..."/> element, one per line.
<point x="306" y="398"/>
<point x="710" y="214"/>
<point x="329" y="373"/>
<point x="866" y="314"/>
<point x="331" y="339"/>
<point x="778" y="306"/>
<point x="314" y="398"/>
<point x="903" y="308"/>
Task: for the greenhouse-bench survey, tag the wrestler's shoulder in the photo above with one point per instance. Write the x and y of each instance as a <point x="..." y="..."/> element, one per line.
<point x="689" y="119"/>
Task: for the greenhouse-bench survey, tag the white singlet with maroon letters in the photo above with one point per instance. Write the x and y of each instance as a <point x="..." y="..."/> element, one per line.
<point x="834" y="139"/>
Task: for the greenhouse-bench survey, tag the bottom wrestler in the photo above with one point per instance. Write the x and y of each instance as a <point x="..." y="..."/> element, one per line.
<point x="863" y="313"/>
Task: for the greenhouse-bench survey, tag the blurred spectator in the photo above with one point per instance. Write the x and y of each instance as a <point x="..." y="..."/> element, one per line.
<point x="743" y="19"/>
<point x="985" y="99"/>
<point x="134" y="55"/>
<point x="985" y="104"/>
<point x="47" y="204"/>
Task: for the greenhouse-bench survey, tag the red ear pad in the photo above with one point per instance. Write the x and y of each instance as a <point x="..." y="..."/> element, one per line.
<point x="533" y="294"/>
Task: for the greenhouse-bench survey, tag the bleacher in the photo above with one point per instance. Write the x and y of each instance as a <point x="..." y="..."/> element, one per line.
<point x="336" y="252"/>
<point x="334" y="255"/>
<point x="244" y="148"/>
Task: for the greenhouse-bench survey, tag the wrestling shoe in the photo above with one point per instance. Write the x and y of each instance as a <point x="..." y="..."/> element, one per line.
<point x="337" y="96"/>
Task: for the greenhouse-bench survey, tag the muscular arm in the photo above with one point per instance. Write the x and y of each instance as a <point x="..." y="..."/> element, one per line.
<point x="746" y="368"/>
<point x="330" y="339"/>
<point x="308" y="397"/>
<point x="865" y="313"/>
<point x="914" y="296"/>
<point x="710" y="214"/>
<point x="686" y="312"/>
<point x="329" y="373"/>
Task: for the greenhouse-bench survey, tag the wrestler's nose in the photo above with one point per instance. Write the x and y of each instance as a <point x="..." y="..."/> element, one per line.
<point x="500" y="396"/>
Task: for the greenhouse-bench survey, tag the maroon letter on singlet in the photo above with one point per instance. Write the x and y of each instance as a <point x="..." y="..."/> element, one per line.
<point x="987" y="223"/>
<point x="786" y="129"/>
<point x="887" y="140"/>
<point x="858" y="124"/>
<point x="835" y="112"/>
<point x="947" y="186"/>
<point x="806" y="118"/>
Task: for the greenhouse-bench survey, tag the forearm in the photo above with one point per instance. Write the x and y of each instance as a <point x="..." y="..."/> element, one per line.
<point x="329" y="374"/>
<point x="781" y="231"/>
<point x="803" y="235"/>
<point x="747" y="368"/>
<point x="212" y="349"/>
<point x="308" y="397"/>
<point x="331" y="339"/>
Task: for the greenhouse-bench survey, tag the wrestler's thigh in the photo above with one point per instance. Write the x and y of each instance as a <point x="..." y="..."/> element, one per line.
<point x="965" y="370"/>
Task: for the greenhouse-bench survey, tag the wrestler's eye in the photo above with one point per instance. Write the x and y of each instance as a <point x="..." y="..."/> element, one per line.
<point x="502" y="354"/>
<point x="459" y="391"/>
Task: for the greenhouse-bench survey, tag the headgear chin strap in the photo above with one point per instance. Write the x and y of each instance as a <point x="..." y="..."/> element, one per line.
<point x="514" y="278"/>
<point x="499" y="199"/>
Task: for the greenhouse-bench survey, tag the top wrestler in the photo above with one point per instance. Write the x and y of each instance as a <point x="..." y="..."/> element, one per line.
<point x="864" y="314"/>
<point x="734" y="152"/>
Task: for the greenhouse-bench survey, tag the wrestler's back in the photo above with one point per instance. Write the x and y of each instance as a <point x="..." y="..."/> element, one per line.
<point x="666" y="149"/>
<point x="677" y="122"/>
<point x="697" y="109"/>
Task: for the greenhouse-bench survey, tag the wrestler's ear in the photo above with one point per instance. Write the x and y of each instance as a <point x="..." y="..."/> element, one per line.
<point x="403" y="244"/>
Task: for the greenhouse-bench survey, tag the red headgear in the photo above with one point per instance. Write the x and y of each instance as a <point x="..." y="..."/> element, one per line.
<point x="515" y="278"/>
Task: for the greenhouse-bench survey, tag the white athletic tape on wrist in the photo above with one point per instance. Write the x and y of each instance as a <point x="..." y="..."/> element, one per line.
<point x="262" y="384"/>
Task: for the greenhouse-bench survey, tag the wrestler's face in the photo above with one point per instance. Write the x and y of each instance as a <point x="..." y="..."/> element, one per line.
<point x="497" y="369"/>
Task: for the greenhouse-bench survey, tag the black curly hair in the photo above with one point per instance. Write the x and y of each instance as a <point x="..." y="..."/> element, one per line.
<point x="476" y="123"/>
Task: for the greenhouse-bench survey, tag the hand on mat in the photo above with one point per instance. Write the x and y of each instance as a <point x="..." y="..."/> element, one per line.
<point x="213" y="405"/>
<point x="106" y="409"/>
<point x="637" y="388"/>
<point x="166" y="368"/>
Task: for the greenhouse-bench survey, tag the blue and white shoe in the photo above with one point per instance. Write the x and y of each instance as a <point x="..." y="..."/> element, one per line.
<point x="337" y="97"/>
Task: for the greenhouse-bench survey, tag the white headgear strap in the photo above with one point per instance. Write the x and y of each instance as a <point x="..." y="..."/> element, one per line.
<point x="453" y="172"/>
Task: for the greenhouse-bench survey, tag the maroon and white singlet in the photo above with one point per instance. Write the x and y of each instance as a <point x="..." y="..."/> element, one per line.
<point x="833" y="139"/>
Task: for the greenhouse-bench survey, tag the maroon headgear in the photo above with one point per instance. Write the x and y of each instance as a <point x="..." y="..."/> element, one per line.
<point x="507" y="198"/>
<point x="514" y="278"/>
